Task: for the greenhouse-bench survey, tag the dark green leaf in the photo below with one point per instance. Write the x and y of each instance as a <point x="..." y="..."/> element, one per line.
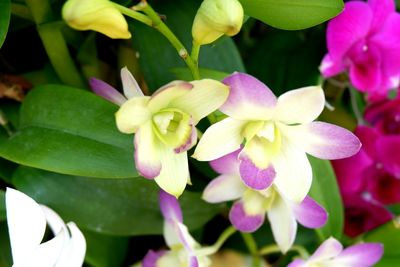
<point x="105" y="250"/>
<point x="158" y="57"/>
<point x="5" y="14"/>
<point x="325" y="191"/>
<point x="70" y="131"/>
<point x="2" y="205"/>
<point x="5" y="251"/>
<point x="293" y="14"/>
<point x="389" y="235"/>
<point x="111" y="206"/>
<point x="7" y="169"/>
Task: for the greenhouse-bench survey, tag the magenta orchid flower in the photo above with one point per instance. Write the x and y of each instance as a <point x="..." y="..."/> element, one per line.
<point x="365" y="41"/>
<point x="27" y="222"/>
<point x="248" y="213"/>
<point x="184" y="250"/>
<point x="278" y="132"/>
<point x="332" y="254"/>
<point x="163" y="124"/>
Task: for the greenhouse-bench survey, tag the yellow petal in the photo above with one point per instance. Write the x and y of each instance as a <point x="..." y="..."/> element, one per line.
<point x="132" y="114"/>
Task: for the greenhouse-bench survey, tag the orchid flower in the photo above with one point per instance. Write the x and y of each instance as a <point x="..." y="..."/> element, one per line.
<point x="164" y="124"/>
<point x="364" y="40"/>
<point x="331" y="254"/>
<point x="27" y="220"/>
<point x="278" y="133"/>
<point x="248" y="214"/>
<point x="184" y="250"/>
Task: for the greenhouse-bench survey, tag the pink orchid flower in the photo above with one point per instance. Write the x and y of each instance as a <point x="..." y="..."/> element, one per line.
<point x="248" y="213"/>
<point x="365" y="41"/>
<point x="278" y="132"/>
<point x="184" y="250"/>
<point x="332" y="254"/>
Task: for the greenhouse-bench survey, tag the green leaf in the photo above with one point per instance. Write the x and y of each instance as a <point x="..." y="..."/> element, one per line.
<point x="389" y="235"/>
<point x="325" y="191"/>
<point x="5" y="251"/>
<point x="3" y="215"/>
<point x="105" y="250"/>
<point x="109" y="206"/>
<point x="293" y="14"/>
<point x="186" y="75"/>
<point x="5" y="14"/>
<point x="158" y="57"/>
<point x="70" y="131"/>
<point x="7" y="169"/>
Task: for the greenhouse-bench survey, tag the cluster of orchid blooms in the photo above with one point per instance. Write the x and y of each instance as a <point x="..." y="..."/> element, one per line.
<point x="259" y="149"/>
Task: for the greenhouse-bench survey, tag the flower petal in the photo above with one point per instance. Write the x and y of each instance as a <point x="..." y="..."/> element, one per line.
<point x="191" y="141"/>
<point x="227" y="164"/>
<point x="283" y="223"/>
<point x="174" y="173"/>
<point x="225" y="187"/>
<point x="129" y="84"/>
<point x="360" y="255"/>
<point x="106" y="91"/>
<point x="330" y="68"/>
<point x="388" y="153"/>
<point x="170" y="207"/>
<point x="220" y="139"/>
<point x="205" y="97"/>
<point x="54" y="220"/>
<point x="330" y="248"/>
<point x="323" y="140"/>
<point x="298" y="263"/>
<point x="151" y="258"/>
<point x="254" y="177"/>
<point x="381" y="9"/>
<point x="193" y="262"/>
<point x="244" y="222"/>
<point x="77" y="247"/>
<point x="186" y="239"/>
<point x="249" y="99"/>
<point x="147" y="155"/>
<point x="346" y="29"/>
<point x="166" y="94"/>
<point x="132" y="114"/>
<point x="26" y="224"/>
<point x="310" y="214"/>
<point x="293" y="173"/>
<point x="301" y="105"/>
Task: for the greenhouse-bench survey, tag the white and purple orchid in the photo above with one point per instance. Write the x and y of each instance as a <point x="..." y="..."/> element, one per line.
<point x="164" y="124"/>
<point x="184" y="250"/>
<point x="248" y="213"/>
<point x="27" y="221"/>
<point x="331" y="254"/>
<point x="364" y="40"/>
<point x="278" y="134"/>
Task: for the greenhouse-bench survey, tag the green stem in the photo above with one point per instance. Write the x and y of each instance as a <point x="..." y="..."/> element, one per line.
<point x="134" y="14"/>
<point x="228" y="232"/>
<point x="252" y="247"/>
<point x="5" y="123"/>
<point x="159" y="25"/>
<point x="303" y="253"/>
<point x="195" y="53"/>
<point x="355" y="107"/>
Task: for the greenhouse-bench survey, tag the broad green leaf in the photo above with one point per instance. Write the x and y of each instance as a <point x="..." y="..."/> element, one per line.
<point x="5" y="248"/>
<point x="293" y="14"/>
<point x="2" y="205"/>
<point x="5" y="14"/>
<point x="325" y="191"/>
<point x="185" y="74"/>
<point x="71" y="131"/>
<point x="158" y="57"/>
<point x="105" y="250"/>
<point x="110" y="206"/>
<point x="389" y="235"/>
<point x="6" y="169"/>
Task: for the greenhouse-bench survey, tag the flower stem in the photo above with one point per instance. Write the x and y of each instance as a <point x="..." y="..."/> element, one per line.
<point x="159" y="25"/>
<point x="195" y="53"/>
<point x="355" y="107"/>
<point x="303" y="253"/>
<point x="228" y="232"/>
<point x="134" y="14"/>
<point x="252" y="247"/>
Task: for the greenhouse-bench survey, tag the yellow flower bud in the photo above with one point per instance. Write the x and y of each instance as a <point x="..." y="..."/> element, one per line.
<point x="216" y="18"/>
<point x="98" y="15"/>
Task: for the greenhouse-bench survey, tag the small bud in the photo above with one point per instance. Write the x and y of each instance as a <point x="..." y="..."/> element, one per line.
<point x="216" y="18"/>
<point x="98" y="15"/>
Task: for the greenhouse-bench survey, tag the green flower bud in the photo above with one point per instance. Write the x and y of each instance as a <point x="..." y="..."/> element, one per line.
<point x="216" y="18"/>
<point x="98" y="15"/>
